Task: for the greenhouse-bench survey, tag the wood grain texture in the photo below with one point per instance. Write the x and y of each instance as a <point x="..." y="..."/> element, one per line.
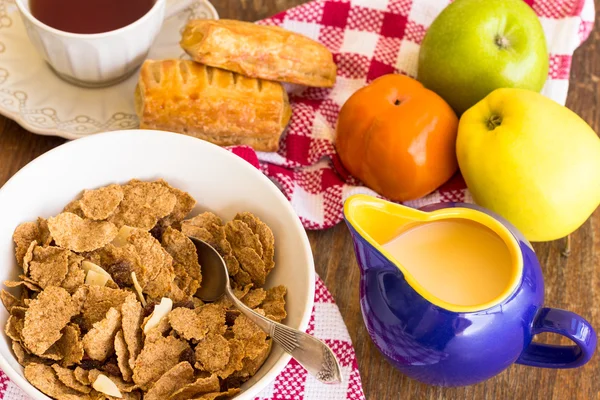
<point x="572" y="282"/>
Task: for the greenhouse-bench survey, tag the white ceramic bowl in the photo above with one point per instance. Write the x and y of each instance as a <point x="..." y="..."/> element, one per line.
<point x="220" y="182"/>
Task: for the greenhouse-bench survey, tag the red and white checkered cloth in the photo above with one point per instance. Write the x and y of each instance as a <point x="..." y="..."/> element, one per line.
<point x="293" y="383"/>
<point x="370" y="38"/>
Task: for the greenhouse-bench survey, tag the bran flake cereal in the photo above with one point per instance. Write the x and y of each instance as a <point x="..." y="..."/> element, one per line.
<point x="82" y="375"/>
<point x="248" y="251"/>
<point x="123" y="356"/>
<point x="99" y="342"/>
<point x="265" y="236"/>
<point x="77" y="234"/>
<point x="183" y="251"/>
<point x="254" y="298"/>
<point x="44" y="378"/>
<point x="178" y="376"/>
<point x="96" y="301"/>
<point x="100" y="203"/>
<point x="67" y="376"/>
<point x="156" y="358"/>
<point x="132" y="316"/>
<point x="48" y="265"/>
<point x="28" y="232"/>
<point x="74" y="207"/>
<point x="70" y="346"/>
<point x="212" y="353"/>
<point x="183" y="205"/>
<point x="8" y="300"/>
<point x="143" y="204"/>
<point x="46" y="316"/>
<point x="199" y="387"/>
<point x="274" y="303"/>
<point x="93" y="275"/>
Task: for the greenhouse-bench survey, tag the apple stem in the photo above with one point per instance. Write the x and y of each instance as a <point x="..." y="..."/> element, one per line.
<point x="502" y="42"/>
<point x="493" y="122"/>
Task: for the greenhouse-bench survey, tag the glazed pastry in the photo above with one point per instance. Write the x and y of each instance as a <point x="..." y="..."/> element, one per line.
<point x="211" y="104"/>
<point x="266" y="52"/>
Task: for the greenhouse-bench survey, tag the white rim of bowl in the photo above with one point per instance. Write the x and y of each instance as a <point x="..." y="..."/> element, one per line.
<point x="270" y="376"/>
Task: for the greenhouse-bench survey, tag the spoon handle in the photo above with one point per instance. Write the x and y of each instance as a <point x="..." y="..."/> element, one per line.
<point x="314" y="355"/>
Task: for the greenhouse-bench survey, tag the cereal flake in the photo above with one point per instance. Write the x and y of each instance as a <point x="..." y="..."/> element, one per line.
<point x="178" y="376"/>
<point x="49" y="266"/>
<point x="235" y="359"/>
<point x="46" y="316"/>
<point x="143" y="204"/>
<point x="199" y="387"/>
<point x="123" y="356"/>
<point x="132" y="316"/>
<point x="74" y="233"/>
<point x="95" y="302"/>
<point x="265" y="236"/>
<point x="99" y="204"/>
<point x="212" y="353"/>
<point x="156" y="358"/>
<point x="183" y="206"/>
<point x="43" y="377"/>
<point x="69" y="346"/>
<point x="8" y="300"/>
<point x="67" y="377"/>
<point x="274" y="303"/>
<point x="28" y="232"/>
<point x="99" y="342"/>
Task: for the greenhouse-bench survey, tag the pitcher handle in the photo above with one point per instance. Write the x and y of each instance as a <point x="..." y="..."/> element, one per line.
<point x="567" y="324"/>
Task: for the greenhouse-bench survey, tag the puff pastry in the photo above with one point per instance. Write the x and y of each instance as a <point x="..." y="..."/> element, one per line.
<point x="211" y="104"/>
<point x="266" y="52"/>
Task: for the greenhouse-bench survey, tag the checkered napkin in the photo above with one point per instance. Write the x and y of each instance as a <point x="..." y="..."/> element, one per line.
<point x="293" y="383"/>
<point x="370" y="38"/>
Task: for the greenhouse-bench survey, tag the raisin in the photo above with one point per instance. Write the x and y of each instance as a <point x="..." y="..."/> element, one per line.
<point x="188" y="355"/>
<point x="230" y="317"/>
<point x="232" y="382"/>
<point x="121" y="273"/>
<point x="89" y="364"/>
<point x="158" y="230"/>
<point x="185" y="304"/>
<point x="111" y="367"/>
<point x="149" y="308"/>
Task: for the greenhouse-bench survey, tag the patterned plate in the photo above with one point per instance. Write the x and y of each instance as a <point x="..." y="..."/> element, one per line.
<point x="42" y="103"/>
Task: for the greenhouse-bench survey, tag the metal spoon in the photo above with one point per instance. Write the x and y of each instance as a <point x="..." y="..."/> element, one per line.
<point x="314" y="355"/>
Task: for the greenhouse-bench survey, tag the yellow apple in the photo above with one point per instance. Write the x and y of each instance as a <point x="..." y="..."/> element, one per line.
<point x="531" y="160"/>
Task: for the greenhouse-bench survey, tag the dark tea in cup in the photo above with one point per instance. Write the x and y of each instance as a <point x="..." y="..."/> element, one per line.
<point x="89" y="16"/>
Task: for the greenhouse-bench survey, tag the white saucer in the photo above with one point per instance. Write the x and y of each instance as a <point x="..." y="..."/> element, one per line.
<point x="39" y="101"/>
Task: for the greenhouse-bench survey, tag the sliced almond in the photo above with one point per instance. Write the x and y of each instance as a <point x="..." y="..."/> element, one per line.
<point x="104" y="385"/>
<point x="121" y="239"/>
<point x="96" y="279"/>
<point x="160" y="311"/>
<point x="90" y="266"/>
<point x="138" y="289"/>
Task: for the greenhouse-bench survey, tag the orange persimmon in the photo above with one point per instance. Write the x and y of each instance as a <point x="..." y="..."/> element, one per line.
<point x="398" y="138"/>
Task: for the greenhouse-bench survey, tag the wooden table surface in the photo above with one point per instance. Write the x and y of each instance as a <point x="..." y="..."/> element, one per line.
<point x="572" y="282"/>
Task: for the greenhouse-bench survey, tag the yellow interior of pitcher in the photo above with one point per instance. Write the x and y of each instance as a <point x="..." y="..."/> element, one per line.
<point x="459" y="259"/>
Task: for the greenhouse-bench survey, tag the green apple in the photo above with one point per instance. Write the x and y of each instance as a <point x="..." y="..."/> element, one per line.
<point x="476" y="46"/>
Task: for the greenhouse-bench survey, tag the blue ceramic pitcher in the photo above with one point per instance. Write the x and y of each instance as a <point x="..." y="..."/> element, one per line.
<point x="446" y="344"/>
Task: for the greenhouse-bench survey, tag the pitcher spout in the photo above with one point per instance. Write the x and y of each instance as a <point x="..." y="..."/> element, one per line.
<point x="379" y="221"/>
<point x="373" y="222"/>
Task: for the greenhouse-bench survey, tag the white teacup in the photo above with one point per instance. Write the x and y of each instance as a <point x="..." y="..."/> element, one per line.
<point x="99" y="59"/>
